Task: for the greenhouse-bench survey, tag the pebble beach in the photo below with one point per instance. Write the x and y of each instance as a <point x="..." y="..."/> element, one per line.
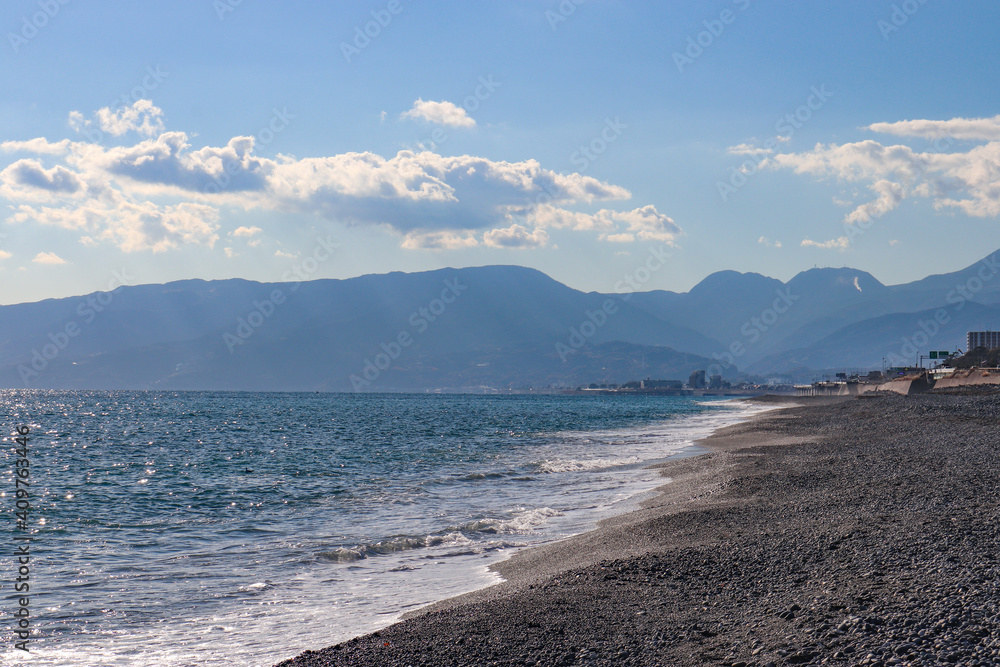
<point x="859" y="531"/>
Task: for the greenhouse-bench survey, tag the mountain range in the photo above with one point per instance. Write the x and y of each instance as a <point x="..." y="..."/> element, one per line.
<point x="483" y="328"/>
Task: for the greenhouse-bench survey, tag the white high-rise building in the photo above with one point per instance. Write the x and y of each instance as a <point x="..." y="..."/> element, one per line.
<point x="988" y="339"/>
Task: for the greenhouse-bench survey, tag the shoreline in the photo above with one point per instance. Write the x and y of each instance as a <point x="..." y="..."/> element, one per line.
<point x="542" y="560"/>
<point x="687" y="479"/>
<point x="859" y="531"/>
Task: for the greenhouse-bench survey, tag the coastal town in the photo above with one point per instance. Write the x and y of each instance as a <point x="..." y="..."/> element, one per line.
<point x="975" y="370"/>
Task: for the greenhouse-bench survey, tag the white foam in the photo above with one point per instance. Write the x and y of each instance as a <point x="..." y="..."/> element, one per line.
<point x="524" y="521"/>
<point x="577" y="465"/>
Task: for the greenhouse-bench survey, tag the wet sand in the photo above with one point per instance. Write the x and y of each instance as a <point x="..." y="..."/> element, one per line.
<point x="845" y="531"/>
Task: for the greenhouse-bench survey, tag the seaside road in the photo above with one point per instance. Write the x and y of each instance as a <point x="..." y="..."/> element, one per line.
<point x="864" y="532"/>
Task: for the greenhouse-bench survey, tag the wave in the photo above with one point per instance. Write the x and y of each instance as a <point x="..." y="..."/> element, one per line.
<point x="457" y="536"/>
<point x="392" y="545"/>
<point x="523" y="522"/>
<point x="476" y="476"/>
<point x="580" y="465"/>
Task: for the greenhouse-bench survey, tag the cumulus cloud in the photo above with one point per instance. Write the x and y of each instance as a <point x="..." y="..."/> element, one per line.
<point x="515" y="236"/>
<point x="968" y="181"/>
<point x="48" y="258"/>
<point x="5" y="255"/>
<point x="889" y="196"/>
<point x="749" y="149"/>
<point x="764" y="241"/>
<point x="442" y="113"/>
<point x="841" y="243"/>
<point x="160" y="192"/>
<point x="643" y="224"/>
<point x="440" y="240"/>
<point x="28" y="178"/>
<point x="133" y="226"/>
<point x="970" y="129"/>
<point x="141" y="117"/>
<point x="37" y="146"/>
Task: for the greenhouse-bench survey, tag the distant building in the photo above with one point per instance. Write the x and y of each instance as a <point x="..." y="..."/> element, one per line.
<point x="988" y="339"/>
<point x="697" y="380"/>
<point x="661" y="384"/>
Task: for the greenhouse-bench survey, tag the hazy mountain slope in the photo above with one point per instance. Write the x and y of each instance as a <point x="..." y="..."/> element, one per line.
<point x="898" y="338"/>
<point x="492" y="325"/>
<point x="450" y="327"/>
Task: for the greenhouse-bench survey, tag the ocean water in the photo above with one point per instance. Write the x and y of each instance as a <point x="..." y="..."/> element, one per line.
<point x="216" y="528"/>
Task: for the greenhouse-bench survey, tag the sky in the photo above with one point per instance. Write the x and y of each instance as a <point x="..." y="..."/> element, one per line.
<point x="158" y="141"/>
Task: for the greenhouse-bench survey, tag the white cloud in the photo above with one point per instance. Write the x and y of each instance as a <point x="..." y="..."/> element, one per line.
<point x="159" y="193"/>
<point x="48" y="258"/>
<point x="972" y="129"/>
<point x="764" y="241"/>
<point x="142" y="117"/>
<point x="439" y="240"/>
<point x="889" y="196"/>
<point x="230" y="253"/>
<point x="842" y="243"/>
<point x="5" y="255"/>
<point x="286" y="255"/>
<point x="645" y="224"/>
<point x="515" y="236"/>
<point x="133" y="226"/>
<point x="30" y="180"/>
<point x="965" y="181"/>
<point x="442" y="113"/>
<point x="894" y="242"/>
<point x="554" y="217"/>
<point x="749" y="149"/>
<point x="38" y="146"/>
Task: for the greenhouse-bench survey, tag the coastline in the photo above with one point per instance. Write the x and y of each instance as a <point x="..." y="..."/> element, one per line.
<point x="860" y="531"/>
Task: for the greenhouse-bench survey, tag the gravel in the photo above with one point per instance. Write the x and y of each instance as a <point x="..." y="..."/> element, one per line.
<point x="863" y="532"/>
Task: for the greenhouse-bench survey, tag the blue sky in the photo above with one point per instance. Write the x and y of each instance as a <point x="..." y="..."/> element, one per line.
<point x="156" y="141"/>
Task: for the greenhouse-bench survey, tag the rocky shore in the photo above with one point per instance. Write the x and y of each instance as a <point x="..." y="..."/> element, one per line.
<point x="861" y="532"/>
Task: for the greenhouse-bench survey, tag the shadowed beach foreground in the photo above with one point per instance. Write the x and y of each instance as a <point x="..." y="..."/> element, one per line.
<point x="861" y="532"/>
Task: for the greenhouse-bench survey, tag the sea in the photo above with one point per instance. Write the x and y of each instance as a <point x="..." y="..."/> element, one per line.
<point x="228" y="528"/>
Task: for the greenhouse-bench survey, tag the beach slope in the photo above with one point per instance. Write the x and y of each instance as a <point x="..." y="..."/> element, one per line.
<point x="859" y="532"/>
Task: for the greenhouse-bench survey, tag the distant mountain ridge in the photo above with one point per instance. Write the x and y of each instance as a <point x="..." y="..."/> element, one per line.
<point x="495" y="326"/>
<point x="490" y="327"/>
